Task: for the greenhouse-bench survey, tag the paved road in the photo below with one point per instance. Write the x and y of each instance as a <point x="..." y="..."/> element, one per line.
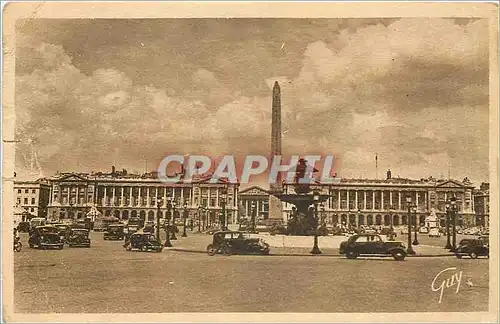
<point x="106" y="278"/>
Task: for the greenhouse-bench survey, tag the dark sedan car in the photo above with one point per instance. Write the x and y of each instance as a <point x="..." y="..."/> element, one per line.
<point x="78" y="237"/>
<point x="45" y="237"/>
<point x="114" y="232"/>
<point x="229" y="242"/>
<point x="372" y="244"/>
<point x="473" y="248"/>
<point x="144" y="242"/>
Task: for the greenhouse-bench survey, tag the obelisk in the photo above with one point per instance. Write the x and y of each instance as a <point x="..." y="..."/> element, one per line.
<point x="275" y="205"/>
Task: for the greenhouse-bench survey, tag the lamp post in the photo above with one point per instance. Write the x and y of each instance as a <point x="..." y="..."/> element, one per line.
<point x="167" y="228"/>
<point x="315" y="249"/>
<point x="414" y="209"/>
<point x="223" y="206"/>
<point x="158" y="205"/>
<point x="454" y="209"/>
<point x="448" y="212"/>
<point x="174" y="214"/>
<point x="254" y="211"/>
<point x="408" y="203"/>
<point x="391" y="235"/>
<point x="199" y="218"/>
<point x="185" y="214"/>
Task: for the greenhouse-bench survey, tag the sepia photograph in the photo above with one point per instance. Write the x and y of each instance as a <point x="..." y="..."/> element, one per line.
<point x="237" y="160"/>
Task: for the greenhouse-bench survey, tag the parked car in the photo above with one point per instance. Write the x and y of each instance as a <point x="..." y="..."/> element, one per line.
<point x="114" y="232"/>
<point x="372" y="244"/>
<point x="434" y="232"/>
<point x="45" y="237"/>
<point x="229" y="242"/>
<point x="387" y="232"/>
<point x="473" y="248"/>
<point x="78" y="237"/>
<point x="63" y="230"/>
<point x="144" y="242"/>
<point x="423" y="230"/>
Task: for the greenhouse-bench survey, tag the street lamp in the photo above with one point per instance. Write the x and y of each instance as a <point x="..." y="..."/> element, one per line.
<point x="454" y="209"/>
<point x="408" y="203"/>
<point x="158" y="205"/>
<point x="391" y="235"/>
<point x="223" y="206"/>
<point x="167" y="228"/>
<point x="199" y="218"/>
<point x="185" y="214"/>
<point x="414" y="209"/>
<point x="174" y="214"/>
<point x="254" y="212"/>
<point x="448" y="212"/>
<point x="315" y="249"/>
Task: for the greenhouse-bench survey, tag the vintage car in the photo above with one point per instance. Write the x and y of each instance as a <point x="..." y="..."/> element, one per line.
<point x="229" y="242"/>
<point x="78" y="237"/>
<point x="145" y="242"/>
<point x="372" y="244"/>
<point x="63" y="229"/>
<point x="114" y="232"/>
<point x="45" y="237"/>
<point x="149" y="227"/>
<point x="473" y="248"/>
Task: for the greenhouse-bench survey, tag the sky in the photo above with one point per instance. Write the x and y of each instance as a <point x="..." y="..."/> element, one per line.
<point x="92" y="93"/>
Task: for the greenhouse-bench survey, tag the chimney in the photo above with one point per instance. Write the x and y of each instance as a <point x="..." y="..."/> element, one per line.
<point x="388" y="174"/>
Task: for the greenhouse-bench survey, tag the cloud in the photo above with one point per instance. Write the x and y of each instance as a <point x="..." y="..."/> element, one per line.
<point x="415" y="91"/>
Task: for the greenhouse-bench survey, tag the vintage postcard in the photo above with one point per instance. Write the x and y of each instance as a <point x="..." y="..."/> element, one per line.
<point x="250" y="162"/>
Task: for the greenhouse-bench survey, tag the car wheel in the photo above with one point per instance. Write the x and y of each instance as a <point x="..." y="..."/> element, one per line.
<point x="351" y="255"/>
<point x="473" y="255"/>
<point x="144" y="249"/>
<point x="398" y="255"/>
<point x="459" y="256"/>
<point x="18" y="247"/>
<point x="226" y="250"/>
<point x="210" y="250"/>
<point x="61" y="247"/>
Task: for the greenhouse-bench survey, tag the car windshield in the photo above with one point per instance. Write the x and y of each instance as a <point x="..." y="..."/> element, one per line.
<point x="464" y="242"/>
<point x="80" y="232"/>
<point x="47" y="230"/>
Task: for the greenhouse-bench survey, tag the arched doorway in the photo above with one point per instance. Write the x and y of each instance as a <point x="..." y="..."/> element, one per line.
<point x="387" y="220"/>
<point x="352" y="220"/>
<point x="117" y="214"/>
<point x="142" y="215"/>
<point x="335" y="219"/>
<point x="404" y="220"/>
<point x="151" y="215"/>
<point x="369" y="220"/>
<point x="343" y="219"/>
<point x="133" y="213"/>
<point x="378" y="220"/>
<point x="125" y="214"/>
<point x="361" y="219"/>
<point x="395" y="220"/>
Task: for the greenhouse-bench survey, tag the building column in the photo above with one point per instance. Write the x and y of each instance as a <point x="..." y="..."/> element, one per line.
<point x="399" y="200"/>
<point x="381" y="199"/>
<point x="373" y="199"/>
<point x="416" y="199"/>
<point x="148" y="201"/>
<point x="348" y="200"/>
<point x="390" y="198"/>
<point x="364" y="200"/>
<point x="338" y="201"/>
<point x="114" y="196"/>
<point x="246" y="208"/>
<point x="130" y="197"/>
<point x="182" y="196"/>
<point x="77" y="202"/>
<point x="356" y="199"/>
<point x="122" y="203"/>
<point x="164" y="196"/>
<point x="105" y="196"/>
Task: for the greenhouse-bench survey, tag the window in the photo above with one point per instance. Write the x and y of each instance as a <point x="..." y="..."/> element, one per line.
<point x="32" y="209"/>
<point x="33" y="191"/>
<point x="26" y="191"/>
<point x="18" y="201"/>
<point x="25" y="201"/>
<point x="18" y="191"/>
<point x="32" y="201"/>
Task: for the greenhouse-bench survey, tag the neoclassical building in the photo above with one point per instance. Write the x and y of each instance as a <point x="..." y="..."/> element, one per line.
<point x="376" y="202"/>
<point x="125" y="195"/>
<point x="254" y="197"/>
